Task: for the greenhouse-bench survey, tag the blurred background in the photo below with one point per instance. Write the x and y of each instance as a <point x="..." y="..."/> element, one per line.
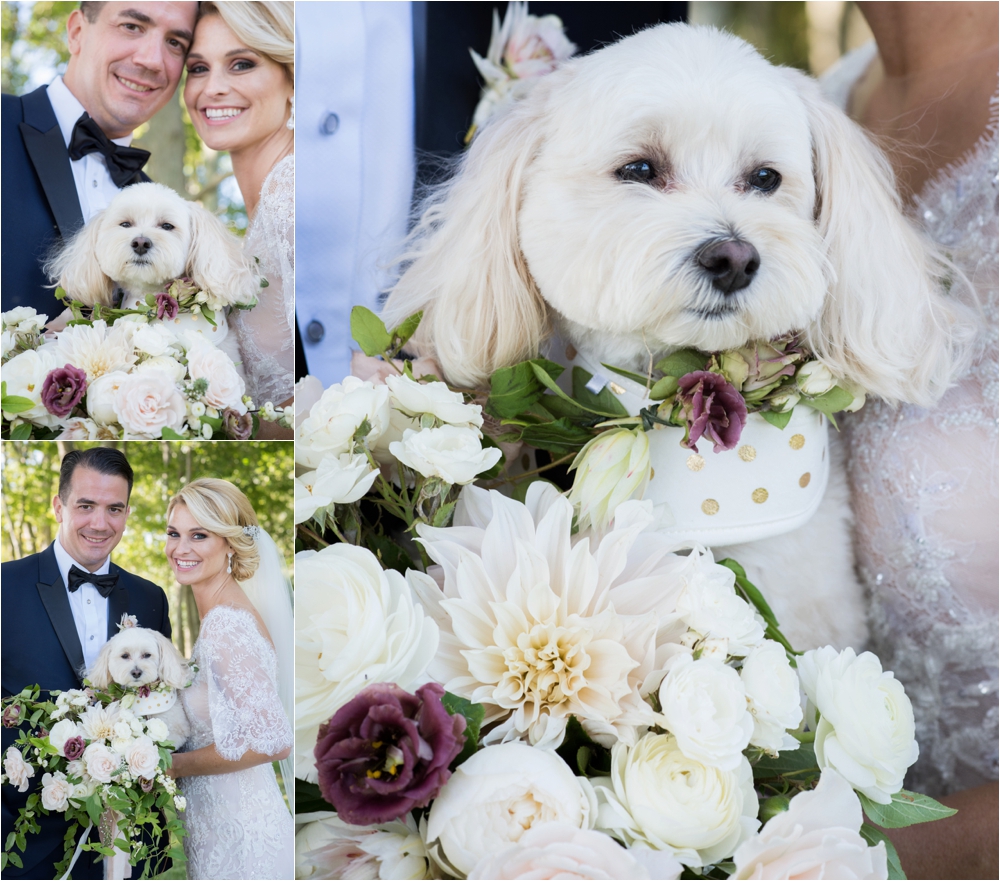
<point x="35" y="51"/>
<point x="261" y="469"/>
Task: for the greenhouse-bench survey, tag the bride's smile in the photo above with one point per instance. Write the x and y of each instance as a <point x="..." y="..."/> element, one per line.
<point x="196" y="555"/>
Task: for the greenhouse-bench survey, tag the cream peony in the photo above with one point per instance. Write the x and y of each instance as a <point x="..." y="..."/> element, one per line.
<point x="97" y="349"/>
<point x="143" y="757"/>
<point x="56" y="791"/>
<point x="773" y="697"/>
<point x="148" y="402"/>
<point x="62" y="731"/>
<point x="817" y="837"/>
<point x="335" y="418"/>
<point x="866" y="729"/>
<point x="610" y="469"/>
<point x="18" y="771"/>
<point x="455" y="455"/>
<point x="658" y="797"/>
<point x="704" y="705"/>
<point x="338" y="480"/>
<point x="355" y="624"/>
<point x="225" y="385"/>
<point x="101" y="763"/>
<point x="498" y="794"/>
<point x="101" y="397"/>
<point x="25" y="375"/>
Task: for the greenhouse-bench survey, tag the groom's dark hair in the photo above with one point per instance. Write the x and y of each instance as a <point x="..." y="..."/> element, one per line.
<point x="103" y="460"/>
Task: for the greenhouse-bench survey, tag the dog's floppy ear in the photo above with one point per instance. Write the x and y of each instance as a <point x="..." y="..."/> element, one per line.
<point x="464" y="265"/>
<point x="99" y="673"/>
<point x="74" y="267"/>
<point x="887" y="323"/>
<point x="215" y="259"/>
<point x="173" y="667"/>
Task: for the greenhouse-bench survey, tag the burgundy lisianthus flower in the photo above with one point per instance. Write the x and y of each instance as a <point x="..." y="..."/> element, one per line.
<point x="11" y="716"/>
<point x="63" y="389"/>
<point x="237" y="426"/>
<point x="712" y="408"/>
<point x="143" y="691"/>
<point x="74" y="747"/>
<point x="386" y="752"/>
<point x="166" y="306"/>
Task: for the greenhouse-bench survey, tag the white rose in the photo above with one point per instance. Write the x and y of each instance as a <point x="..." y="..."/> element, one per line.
<point x="814" y="379"/>
<point x="817" y="837"/>
<point x="500" y="793"/>
<point x="56" y="791"/>
<point x="705" y="708"/>
<point x="336" y="416"/>
<point x="157" y="729"/>
<point x="120" y="744"/>
<point x="610" y="469"/>
<point x="416" y="398"/>
<point x="399" y="422"/>
<point x="866" y="729"/>
<point x="659" y="798"/>
<point x="101" y="397"/>
<point x="355" y="623"/>
<point x="147" y="402"/>
<point x="101" y="763"/>
<point x="25" y="375"/>
<point x="773" y="696"/>
<point x="123" y="729"/>
<point x="338" y="480"/>
<point x="154" y="339"/>
<point x="25" y="315"/>
<point x="61" y="732"/>
<point x="554" y="850"/>
<point x="7" y="343"/>
<point x="143" y="757"/>
<point x="18" y="771"/>
<point x="453" y="454"/>
<point x="225" y="385"/>
<point x="171" y="366"/>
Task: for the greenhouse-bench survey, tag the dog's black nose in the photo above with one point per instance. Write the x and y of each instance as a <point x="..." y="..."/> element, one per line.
<point x="137" y="673"/>
<point x="140" y="244"/>
<point x="731" y="263"/>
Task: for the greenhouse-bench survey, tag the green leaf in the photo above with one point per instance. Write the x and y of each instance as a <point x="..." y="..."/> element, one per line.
<point x="15" y="403"/>
<point x="605" y="401"/>
<point x="552" y="386"/>
<point x="442" y="516"/>
<point x="778" y="420"/>
<point x="209" y="315"/>
<point x="170" y="434"/>
<point x="404" y="331"/>
<point x="22" y="432"/>
<point x="873" y="836"/>
<point x="15" y="859"/>
<point x="832" y="402"/>
<point x="560" y="437"/>
<point x="474" y="714"/>
<point x="369" y="331"/>
<point x="582" y="753"/>
<point x="905" y="809"/>
<point x="390" y="554"/>
<point x="682" y="362"/>
<point x="628" y="374"/>
<point x="514" y="389"/>
<point x="796" y="763"/>
<point x="664" y="388"/>
<point x="94" y="808"/>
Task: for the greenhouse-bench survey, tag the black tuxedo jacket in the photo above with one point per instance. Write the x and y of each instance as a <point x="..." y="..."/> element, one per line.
<point x="41" y="646"/>
<point x="40" y="205"/>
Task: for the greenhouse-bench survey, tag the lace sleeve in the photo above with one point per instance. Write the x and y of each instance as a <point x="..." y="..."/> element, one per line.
<point x="243" y="701"/>
<point x="265" y="333"/>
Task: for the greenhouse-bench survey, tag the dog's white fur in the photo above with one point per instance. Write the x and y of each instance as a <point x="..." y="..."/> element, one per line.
<point x="100" y="255"/>
<point x="536" y="233"/>
<point x="141" y="656"/>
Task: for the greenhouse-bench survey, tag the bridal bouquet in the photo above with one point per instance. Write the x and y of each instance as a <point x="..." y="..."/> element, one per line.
<point x="101" y="764"/>
<point x="122" y="374"/>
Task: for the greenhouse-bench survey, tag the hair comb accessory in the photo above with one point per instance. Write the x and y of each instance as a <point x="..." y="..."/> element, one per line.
<point x="252" y="531"/>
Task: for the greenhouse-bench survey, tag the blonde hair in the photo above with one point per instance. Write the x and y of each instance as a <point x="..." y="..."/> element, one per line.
<point x="223" y="510"/>
<point x="267" y="27"/>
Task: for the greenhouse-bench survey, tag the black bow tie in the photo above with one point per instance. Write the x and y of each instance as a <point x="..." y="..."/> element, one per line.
<point x="124" y="163"/>
<point x="104" y="583"/>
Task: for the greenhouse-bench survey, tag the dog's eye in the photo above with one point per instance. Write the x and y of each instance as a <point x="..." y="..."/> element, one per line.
<point x="146" y="655"/>
<point x="126" y="224"/>
<point x="125" y="656"/>
<point x="167" y="226"/>
<point x="766" y="180"/>
<point x="640" y="171"/>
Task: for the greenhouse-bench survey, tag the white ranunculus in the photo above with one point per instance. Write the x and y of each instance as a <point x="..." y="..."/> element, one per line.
<point x="773" y="696"/>
<point x="658" y="797"/>
<point x="101" y="763"/>
<point x="225" y="385"/>
<point x="147" y="402"/>
<point x="555" y="850"/>
<point x="25" y="375"/>
<point x="143" y="757"/>
<point x="327" y="847"/>
<point x="339" y="480"/>
<point x="814" y="379"/>
<point x="355" y="624"/>
<point x="866" y="729"/>
<point x="62" y="731"/>
<point x="157" y="729"/>
<point x="171" y="366"/>
<point x="18" y="771"/>
<point x="97" y="349"/>
<point x="817" y="837"/>
<point x="101" y="397"/>
<point x="334" y="419"/>
<point x="99" y="722"/>
<point x="498" y="794"/>
<point x="416" y="398"/>
<point x="610" y="469"/>
<point x="455" y="455"/>
<point x="705" y="708"/>
<point x="56" y="791"/>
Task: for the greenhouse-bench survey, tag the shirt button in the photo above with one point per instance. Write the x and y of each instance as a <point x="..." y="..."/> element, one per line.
<point x="91" y="637"/>
<point x="329" y="124"/>
<point x="88" y="602"/>
<point x="315" y="331"/>
<point x="93" y="183"/>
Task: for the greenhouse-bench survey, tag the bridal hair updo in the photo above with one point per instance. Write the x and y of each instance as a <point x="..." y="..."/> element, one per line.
<point x="223" y="510"/>
<point x="267" y="27"/>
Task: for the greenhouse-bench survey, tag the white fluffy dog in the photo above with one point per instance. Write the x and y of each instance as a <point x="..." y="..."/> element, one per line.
<point x="675" y="189"/>
<point x="139" y="656"/>
<point x="148" y="235"/>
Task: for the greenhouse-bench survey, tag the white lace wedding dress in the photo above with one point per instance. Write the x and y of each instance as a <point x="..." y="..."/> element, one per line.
<point x="924" y="488"/>
<point x="266" y="333"/>
<point x="238" y="825"/>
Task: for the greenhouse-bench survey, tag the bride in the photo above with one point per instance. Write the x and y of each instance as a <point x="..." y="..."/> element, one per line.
<point x="240" y="701"/>
<point x="239" y="93"/>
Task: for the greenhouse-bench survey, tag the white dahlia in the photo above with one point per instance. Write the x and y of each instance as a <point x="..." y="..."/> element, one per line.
<point x="98" y="349"/>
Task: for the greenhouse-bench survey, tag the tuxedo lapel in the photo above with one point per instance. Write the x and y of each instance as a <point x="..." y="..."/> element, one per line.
<point x="117" y="603"/>
<point x="52" y="592"/>
<point x="46" y="148"/>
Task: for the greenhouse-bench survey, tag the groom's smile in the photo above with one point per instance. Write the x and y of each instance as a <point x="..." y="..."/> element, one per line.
<point x="92" y="516"/>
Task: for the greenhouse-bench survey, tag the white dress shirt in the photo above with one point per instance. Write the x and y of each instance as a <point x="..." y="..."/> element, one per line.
<point x="93" y="180"/>
<point x="90" y="609"/>
<point x="354" y="157"/>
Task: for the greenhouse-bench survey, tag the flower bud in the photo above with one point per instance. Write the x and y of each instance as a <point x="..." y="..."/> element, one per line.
<point x="610" y="469"/>
<point x="784" y="399"/>
<point x="815" y="379"/>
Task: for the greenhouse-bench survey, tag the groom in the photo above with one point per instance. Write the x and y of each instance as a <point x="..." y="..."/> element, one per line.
<point x="61" y="606"/>
<point x="66" y="146"/>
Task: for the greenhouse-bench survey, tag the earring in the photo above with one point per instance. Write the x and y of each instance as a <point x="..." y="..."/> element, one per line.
<point x="291" y="116"/>
<point x="229" y="568"/>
